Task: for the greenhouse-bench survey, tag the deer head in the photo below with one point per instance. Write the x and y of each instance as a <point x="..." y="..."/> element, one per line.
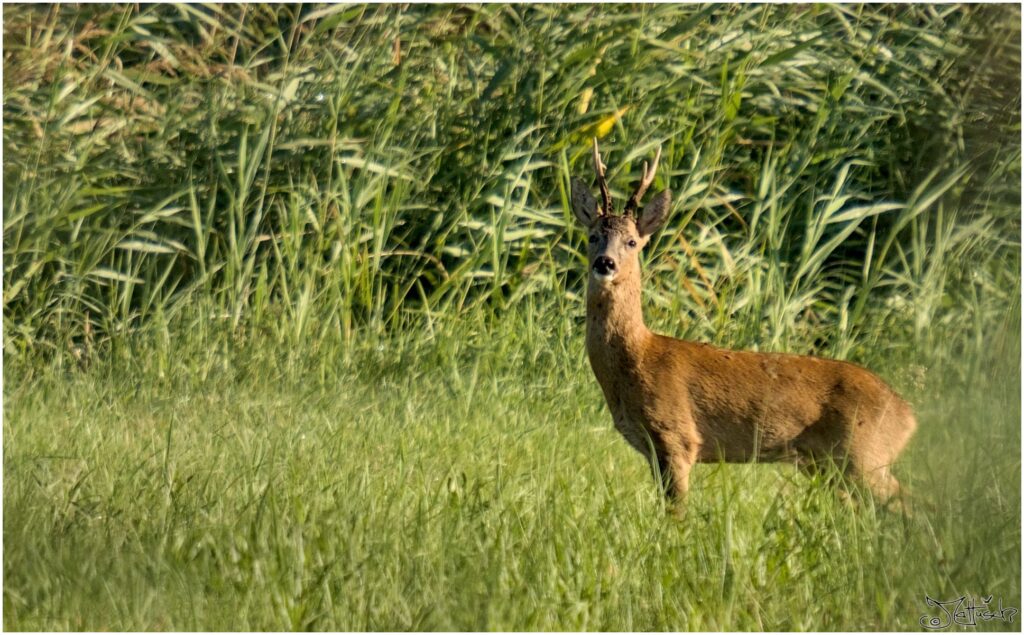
<point x="616" y="240"/>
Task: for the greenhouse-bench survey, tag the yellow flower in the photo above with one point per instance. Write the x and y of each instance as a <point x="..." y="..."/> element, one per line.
<point x="603" y="127"/>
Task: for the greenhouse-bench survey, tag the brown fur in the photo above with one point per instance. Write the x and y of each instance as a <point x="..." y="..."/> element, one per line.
<point x="681" y="402"/>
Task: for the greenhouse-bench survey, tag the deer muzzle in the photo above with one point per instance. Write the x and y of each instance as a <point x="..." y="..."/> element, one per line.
<point x="604" y="267"/>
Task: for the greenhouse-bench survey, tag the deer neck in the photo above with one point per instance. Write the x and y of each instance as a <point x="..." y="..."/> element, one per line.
<point x="616" y="333"/>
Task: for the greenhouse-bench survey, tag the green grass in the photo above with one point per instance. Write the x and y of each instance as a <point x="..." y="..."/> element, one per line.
<point x="293" y="318"/>
<point x="465" y="482"/>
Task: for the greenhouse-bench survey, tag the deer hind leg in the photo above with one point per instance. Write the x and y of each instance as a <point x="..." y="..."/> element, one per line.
<point x="843" y="472"/>
<point x="829" y="469"/>
<point x="821" y="452"/>
<point x="882" y="483"/>
<point x="818" y="467"/>
<point x="884" y="488"/>
<point x="879" y="480"/>
<point x="872" y="464"/>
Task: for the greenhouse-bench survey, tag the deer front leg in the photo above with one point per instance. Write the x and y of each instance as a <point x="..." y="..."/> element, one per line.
<point x="661" y="470"/>
<point x="675" y="459"/>
<point x="679" y="475"/>
<point x="672" y="476"/>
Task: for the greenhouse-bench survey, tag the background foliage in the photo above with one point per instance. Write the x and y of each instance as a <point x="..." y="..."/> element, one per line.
<point x="364" y="165"/>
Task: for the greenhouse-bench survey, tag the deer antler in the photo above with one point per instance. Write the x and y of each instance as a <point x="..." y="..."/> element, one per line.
<point x="606" y="199"/>
<point x="634" y="201"/>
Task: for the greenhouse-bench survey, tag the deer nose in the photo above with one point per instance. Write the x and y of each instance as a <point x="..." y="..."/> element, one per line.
<point x="604" y="265"/>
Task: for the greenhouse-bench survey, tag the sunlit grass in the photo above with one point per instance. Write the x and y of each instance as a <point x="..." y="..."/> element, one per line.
<point x="293" y="318"/>
<point x="465" y="483"/>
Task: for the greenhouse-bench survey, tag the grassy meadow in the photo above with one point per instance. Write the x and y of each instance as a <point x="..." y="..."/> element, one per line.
<point x="293" y="317"/>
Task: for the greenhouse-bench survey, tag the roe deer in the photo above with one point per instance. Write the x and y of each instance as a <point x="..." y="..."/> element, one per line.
<point x="681" y="402"/>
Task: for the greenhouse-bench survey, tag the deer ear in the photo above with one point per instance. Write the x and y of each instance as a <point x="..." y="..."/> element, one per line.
<point x="584" y="205"/>
<point x="655" y="213"/>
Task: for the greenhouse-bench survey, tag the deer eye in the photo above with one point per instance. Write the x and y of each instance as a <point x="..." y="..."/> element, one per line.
<point x="631" y="243"/>
<point x="593" y="238"/>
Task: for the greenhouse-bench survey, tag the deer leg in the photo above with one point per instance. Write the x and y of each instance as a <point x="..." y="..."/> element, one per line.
<point x="679" y="469"/>
<point x="885" y="488"/>
<point x="672" y="477"/>
<point x="831" y="471"/>
<point x="677" y="483"/>
<point x="661" y="471"/>
<point x="670" y="461"/>
<point x="821" y="468"/>
<point x="678" y="457"/>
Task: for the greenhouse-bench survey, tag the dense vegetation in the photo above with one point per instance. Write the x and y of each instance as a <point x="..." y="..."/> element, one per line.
<point x="292" y="300"/>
